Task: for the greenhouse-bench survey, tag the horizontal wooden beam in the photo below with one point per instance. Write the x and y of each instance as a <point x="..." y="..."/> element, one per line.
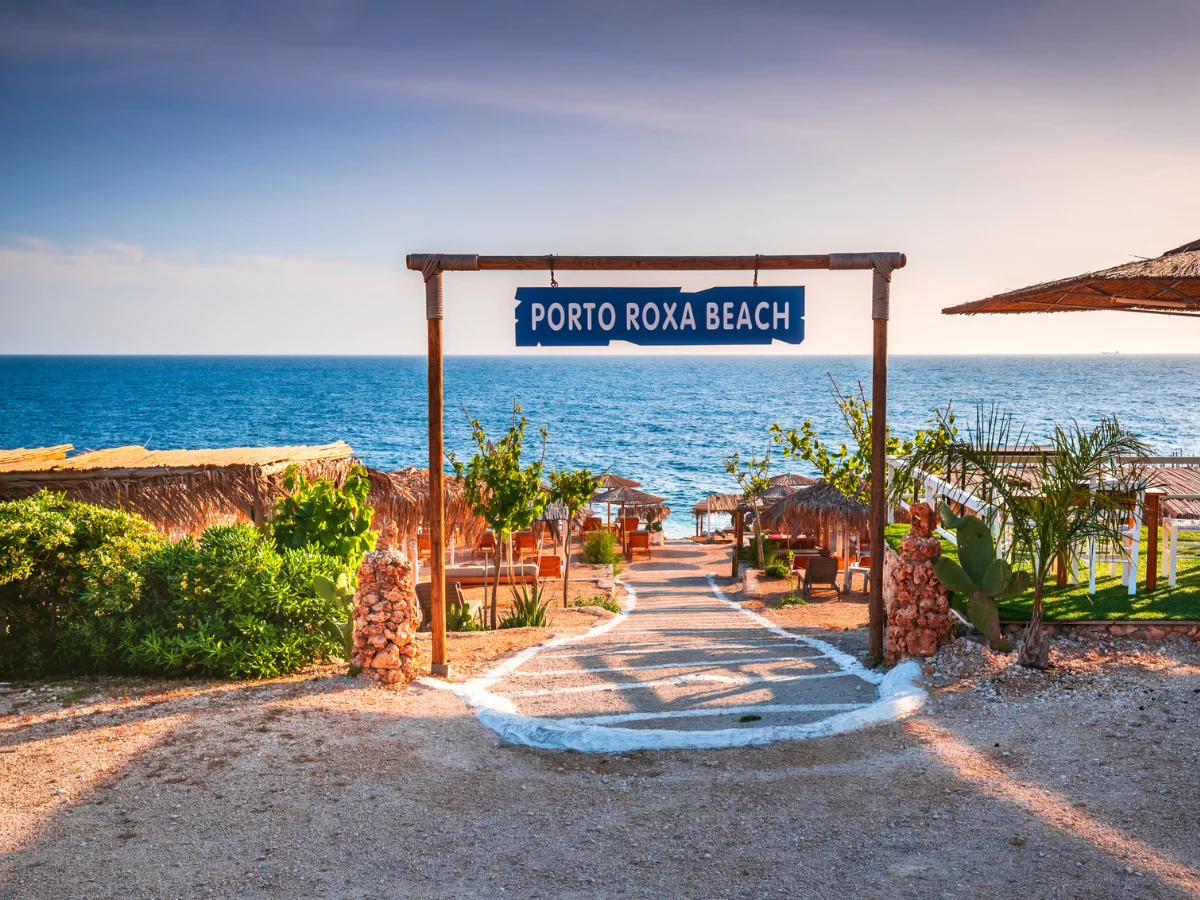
<point x="460" y="262"/>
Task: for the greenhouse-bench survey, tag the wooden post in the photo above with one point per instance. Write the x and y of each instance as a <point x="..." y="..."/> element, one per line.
<point x="1153" y="515"/>
<point x="877" y="614"/>
<point x="436" y="516"/>
<point x="737" y="541"/>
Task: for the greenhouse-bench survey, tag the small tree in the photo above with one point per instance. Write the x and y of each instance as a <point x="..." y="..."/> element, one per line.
<point x="1054" y="498"/>
<point x="849" y="470"/>
<point x="753" y="478"/>
<point x="573" y="489"/>
<point x="502" y="493"/>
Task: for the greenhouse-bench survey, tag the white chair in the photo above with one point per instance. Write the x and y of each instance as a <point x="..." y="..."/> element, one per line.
<point x="1181" y="538"/>
<point x="1125" y="554"/>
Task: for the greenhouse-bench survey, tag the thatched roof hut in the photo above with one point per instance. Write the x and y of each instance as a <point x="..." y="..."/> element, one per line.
<point x="724" y="503"/>
<point x="1178" y="480"/>
<point x="34" y="454"/>
<point x="179" y="491"/>
<point x="812" y="509"/>
<point x="1166" y="285"/>
<point x="401" y="501"/>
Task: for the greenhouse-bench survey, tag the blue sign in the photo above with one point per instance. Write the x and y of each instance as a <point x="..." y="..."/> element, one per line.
<point x="658" y="317"/>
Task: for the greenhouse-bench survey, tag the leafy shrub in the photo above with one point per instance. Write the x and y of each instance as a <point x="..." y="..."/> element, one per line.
<point x="336" y="521"/>
<point x="528" y="608"/>
<point x="751" y="551"/>
<point x="229" y="605"/>
<point x="600" y="548"/>
<point x="61" y="564"/>
<point x="603" y="602"/>
<point x="793" y="601"/>
<point x="777" y="569"/>
<point x="92" y="590"/>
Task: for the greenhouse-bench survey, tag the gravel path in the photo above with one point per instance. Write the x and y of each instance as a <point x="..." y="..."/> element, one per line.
<point x="685" y="658"/>
<point x="1081" y="782"/>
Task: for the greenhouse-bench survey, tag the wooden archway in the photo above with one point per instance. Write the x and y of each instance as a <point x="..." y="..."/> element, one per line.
<point x="433" y="265"/>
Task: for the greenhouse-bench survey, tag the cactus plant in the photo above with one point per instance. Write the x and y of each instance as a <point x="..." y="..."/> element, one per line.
<point x="979" y="574"/>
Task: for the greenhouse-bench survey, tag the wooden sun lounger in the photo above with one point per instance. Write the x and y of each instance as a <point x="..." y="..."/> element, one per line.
<point x="822" y="571"/>
<point x="550" y="567"/>
<point x="454" y="598"/>
<point x="639" y="541"/>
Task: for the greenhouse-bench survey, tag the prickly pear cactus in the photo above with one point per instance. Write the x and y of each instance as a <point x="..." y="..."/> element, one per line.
<point x="979" y="574"/>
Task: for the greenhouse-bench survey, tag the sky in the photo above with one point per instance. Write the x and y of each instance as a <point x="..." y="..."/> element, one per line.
<point x="247" y="177"/>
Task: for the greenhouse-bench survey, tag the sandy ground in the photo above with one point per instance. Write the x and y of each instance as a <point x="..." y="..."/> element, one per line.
<point x="1081" y="782"/>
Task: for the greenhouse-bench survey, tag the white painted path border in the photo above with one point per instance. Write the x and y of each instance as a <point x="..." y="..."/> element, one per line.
<point x="898" y="695"/>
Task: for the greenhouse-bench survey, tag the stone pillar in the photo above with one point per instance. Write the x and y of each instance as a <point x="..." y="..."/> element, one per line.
<point x="918" y="606"/>
<point x="386" y="616"/>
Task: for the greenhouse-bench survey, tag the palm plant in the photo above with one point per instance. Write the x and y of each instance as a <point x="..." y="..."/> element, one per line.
<point x="1053" y="498"/>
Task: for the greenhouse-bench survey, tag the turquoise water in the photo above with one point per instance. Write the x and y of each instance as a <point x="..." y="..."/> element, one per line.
<point x="667" y="421"/>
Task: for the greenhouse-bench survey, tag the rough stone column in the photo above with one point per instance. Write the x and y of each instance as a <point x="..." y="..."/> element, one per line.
<point x="386" y="616"/>
<point x="918" y="606"/>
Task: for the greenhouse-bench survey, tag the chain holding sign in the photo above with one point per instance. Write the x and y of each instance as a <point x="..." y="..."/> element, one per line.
<point x="658" y="316"/>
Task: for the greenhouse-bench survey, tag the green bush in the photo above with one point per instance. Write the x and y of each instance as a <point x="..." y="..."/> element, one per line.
<point x="62" y="564"/>
<point x="528" y="608"/>
<point x="793" y="600"/>
<point x="600" y="548"/>
<point x="603" y="602"/>
<point x="777" y="569"/>
<point x="85" y="589"/>
<point x="233" y="605"/>
<point x="750" y="553"/>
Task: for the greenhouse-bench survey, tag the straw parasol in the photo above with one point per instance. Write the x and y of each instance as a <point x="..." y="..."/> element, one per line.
<point x="792" y="480"/>
<point x="629" y="496"/>
<point x="609" y="481"/>
<point x="812" y="509"/>
<point x="640" y="501"/>
<point x="777" y="492"/>
<point x="1167" y="285"/>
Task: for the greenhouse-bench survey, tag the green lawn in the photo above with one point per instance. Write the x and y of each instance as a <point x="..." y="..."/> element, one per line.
<point x="1111" y="601"/>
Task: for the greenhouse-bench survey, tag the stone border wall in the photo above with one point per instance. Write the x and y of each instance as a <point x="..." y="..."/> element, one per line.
<point x="1124" y="629"/>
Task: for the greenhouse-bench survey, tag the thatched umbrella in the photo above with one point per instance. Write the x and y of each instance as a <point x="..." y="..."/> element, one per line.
<point x="631" y="496"/>
<point x="1167" y="285"/>
<point x="777" y="492"/>
<point x="608" y="481"/>
<point x="792" y="480"/>
<point x="814" y="509"/>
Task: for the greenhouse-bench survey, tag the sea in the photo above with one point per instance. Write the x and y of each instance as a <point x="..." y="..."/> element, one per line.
<point x="668" y="421"/>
